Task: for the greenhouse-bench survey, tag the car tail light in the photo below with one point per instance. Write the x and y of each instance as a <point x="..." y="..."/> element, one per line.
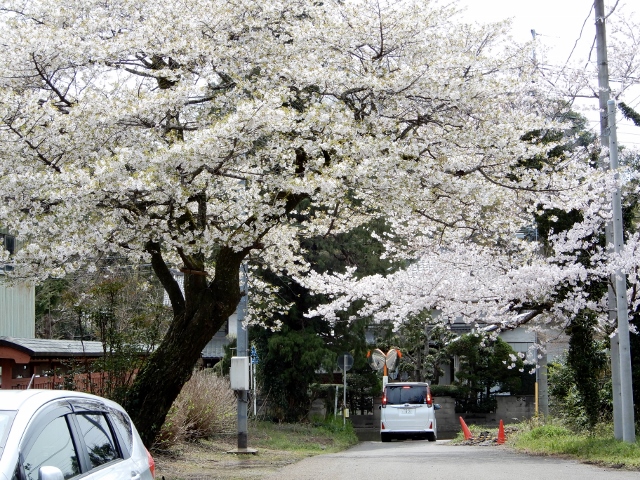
<point x="384" y="398"/>
<point x="430" y="425"/>
<point x="429" y="398"/>
<point x="382" y="426"/>
<point x="152" y="465"/>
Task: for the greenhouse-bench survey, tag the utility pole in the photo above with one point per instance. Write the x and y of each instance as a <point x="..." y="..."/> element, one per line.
<point x="243" y="352"/>
<point x="620" y="411"/>
<point x="603" y="97"/>
<point x="626" y="386"/>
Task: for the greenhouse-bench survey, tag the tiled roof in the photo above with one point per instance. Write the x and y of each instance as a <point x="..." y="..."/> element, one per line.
<point x="42" y="347"/>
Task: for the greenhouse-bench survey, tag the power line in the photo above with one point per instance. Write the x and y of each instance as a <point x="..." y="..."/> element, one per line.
<point x="579" y="37"/>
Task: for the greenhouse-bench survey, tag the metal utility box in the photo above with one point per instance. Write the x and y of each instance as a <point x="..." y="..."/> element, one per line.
<point x="239" y="373"/>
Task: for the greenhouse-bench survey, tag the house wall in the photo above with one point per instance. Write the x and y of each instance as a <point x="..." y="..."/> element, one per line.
<point x="17" y="310"/>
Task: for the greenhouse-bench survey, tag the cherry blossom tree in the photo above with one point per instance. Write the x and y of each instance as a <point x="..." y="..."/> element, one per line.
<point x="510" y="282"/>
<point x="199" y="135"/>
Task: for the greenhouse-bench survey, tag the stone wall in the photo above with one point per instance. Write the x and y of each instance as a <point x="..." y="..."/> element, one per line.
<point x="511" y="409"/>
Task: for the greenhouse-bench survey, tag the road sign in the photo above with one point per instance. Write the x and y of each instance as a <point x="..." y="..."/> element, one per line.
<point x="345" y="361"/>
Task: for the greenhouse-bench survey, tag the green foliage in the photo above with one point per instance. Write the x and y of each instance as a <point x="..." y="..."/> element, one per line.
<point x="567" y="400"/>
<point x="601" y="449"/>
<point x="549" y="431"/>
<point x="325" y="436"/>
<point x="587" y="360"/>
<point x="445" y="390"/>
<point x="291" y="358"/>
<point x="288" y="363"/>
<point x="423" y="343"/>
<point x="634" y="339"/>
<point x="578" y="389"/>
<point x="49" y="297"/>
<point x="487" y="365"/>
<point x="362" y="386"/>
<point x="357" y="248"/>
<point x="119" y="307"/>
<point x="224" y="365"/>
<point x="629" y="113"/>
<point x="558" y="153"/>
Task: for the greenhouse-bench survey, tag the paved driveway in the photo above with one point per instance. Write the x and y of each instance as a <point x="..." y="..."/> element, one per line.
<point x="423" y="460"/>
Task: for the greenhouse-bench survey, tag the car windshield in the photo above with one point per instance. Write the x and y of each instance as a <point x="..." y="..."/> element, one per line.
<point x="401" y="394"/>
<point x="6" y="418"/>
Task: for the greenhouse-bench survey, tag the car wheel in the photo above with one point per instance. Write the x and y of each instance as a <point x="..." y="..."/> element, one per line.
<point x="385" y="437"/>
<point x="431" y="436"/>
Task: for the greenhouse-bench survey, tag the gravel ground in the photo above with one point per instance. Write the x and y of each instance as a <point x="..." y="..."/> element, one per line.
<point x="210" y="461"/>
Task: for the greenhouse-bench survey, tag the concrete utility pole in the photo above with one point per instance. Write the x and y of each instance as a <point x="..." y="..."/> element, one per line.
<point x="626" y="386"/>
<point x="620" y="413"/>
<point x="603" y="97"/>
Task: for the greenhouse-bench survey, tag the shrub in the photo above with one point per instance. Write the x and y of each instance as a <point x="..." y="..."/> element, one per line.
<point x="568" y="404"/>
<point x="444" y="390"/>
<point x="549" y="431"/>
<point x="487" y="365"/>
<point x="205" y="406"/>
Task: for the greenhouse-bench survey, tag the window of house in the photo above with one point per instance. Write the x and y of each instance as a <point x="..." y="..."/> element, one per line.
<point x="21" y="370"/>
<point x="8" y="242"/>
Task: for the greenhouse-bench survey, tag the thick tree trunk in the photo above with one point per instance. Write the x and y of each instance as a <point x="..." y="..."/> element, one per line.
<point x="205" y="310"/>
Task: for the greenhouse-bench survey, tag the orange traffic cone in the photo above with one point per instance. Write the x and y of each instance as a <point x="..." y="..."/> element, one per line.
<point x="501" y="433"/>
<point x="465" y="430"/>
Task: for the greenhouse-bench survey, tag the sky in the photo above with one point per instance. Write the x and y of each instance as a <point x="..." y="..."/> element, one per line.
<point x="558" y="25"/>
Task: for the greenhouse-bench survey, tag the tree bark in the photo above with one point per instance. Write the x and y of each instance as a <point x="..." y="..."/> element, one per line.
<point x="207" y="307"/>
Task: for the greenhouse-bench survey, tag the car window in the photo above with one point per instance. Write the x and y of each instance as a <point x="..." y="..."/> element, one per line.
<point x="122" y="424"/>
<point x="98" y="438"/>
<point x="401" y="394"/>
<point x="6" y="418"/>
<point x="53" y="447"/>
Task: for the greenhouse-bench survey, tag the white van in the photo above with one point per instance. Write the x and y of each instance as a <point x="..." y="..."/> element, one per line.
<point x="408" y="411"/>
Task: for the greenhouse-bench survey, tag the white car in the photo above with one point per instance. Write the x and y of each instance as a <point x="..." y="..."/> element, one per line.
<point x="408" y="411"/>
<point x="56" y="435"/>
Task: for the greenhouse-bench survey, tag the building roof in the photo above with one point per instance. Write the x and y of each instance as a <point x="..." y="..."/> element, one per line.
<point x="215" y="348"/>
<point x="42" y="347"/>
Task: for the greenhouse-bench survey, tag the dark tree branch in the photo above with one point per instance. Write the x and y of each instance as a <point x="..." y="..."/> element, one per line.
<point x="166" y="278"/>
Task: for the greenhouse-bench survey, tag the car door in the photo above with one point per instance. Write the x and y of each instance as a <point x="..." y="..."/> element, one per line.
<point x="79" y="441"/>
<point x="101" y="450"/>
<point x="49" y="441"/>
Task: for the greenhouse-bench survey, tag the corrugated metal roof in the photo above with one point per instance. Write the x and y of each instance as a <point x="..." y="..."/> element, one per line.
<point x="42" y="347"/>
<point x="215" y="348"/>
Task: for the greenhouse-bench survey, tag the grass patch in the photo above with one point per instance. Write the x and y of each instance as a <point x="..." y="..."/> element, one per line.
<point x="328" y="436"/>
<point x="598" y="448"/>
<point x="277" y="444"/>
<point x="550" y="437"/>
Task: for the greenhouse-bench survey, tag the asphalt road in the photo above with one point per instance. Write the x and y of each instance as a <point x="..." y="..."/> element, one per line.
<point x="439" y="460"/>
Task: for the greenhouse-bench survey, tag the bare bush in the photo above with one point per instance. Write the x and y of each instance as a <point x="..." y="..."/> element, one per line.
<point x="206" y="406"/>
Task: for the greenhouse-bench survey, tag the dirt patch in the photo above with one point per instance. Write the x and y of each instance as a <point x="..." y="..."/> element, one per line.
<point x="207" y="460"/>
<point x="486" y="438"/>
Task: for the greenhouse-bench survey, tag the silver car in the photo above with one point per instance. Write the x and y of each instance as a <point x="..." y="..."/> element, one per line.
<point x="408" y="411"/>
<point x="55" y="435"/>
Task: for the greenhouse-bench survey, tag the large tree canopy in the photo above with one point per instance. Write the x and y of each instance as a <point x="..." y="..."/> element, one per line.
<point x="187" y="134"/>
